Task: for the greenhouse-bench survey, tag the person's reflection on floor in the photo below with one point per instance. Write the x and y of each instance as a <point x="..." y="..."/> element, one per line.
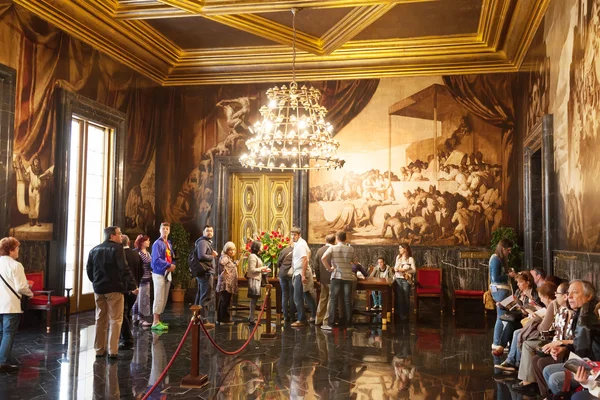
<point x="106" y="380"/>
<point x="284" y="364"/>
<point x="253" y="379"/>
<point x="139" y="362"/>
<point x="159" y="362"/>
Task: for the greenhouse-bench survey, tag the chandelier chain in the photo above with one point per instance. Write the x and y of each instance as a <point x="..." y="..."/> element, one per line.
<point x="294" y="11"/>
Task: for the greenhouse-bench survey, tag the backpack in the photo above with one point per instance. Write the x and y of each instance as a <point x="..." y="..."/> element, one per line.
<point x="196" y="268"/>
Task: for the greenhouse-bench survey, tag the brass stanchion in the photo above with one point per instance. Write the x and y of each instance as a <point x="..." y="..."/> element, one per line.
<point x="268" y="334"/>
<point x="195" y="379"/>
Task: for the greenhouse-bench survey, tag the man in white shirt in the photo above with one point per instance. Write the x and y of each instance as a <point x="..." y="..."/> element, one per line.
<point x="302" y="278"/>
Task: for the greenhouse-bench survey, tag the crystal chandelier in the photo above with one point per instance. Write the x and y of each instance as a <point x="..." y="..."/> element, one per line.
<point x="293" y="133"/>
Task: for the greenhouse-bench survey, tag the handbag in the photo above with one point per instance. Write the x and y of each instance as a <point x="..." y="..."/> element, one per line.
<point x="488" y="301"/>
<point x="23" y="299"/>
<point x="512" y="316"/>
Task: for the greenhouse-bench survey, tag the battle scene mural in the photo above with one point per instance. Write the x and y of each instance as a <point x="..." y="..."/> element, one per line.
<point x="420" y="169"/>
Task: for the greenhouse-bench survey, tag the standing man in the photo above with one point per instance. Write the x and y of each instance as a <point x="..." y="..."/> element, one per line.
<point x="324" y="280"/>
<point x="134" y="263"/>
<point x="302" y="278"/>
<point x="206" y="256"/>
<point x="285" y="268"/>
<point x="108" y="272"/>
<point x="162" y="266"/>
<point x="339" y="260"/>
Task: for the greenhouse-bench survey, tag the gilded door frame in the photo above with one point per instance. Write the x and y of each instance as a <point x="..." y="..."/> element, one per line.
<point x="224" y="168"/>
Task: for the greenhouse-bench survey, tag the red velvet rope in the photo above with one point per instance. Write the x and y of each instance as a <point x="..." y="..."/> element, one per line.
<point x="232" y="353"/>
<point x="164" y="373"/>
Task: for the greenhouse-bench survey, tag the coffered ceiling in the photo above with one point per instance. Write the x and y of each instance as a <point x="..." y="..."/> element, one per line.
<point x="186" y="42"/>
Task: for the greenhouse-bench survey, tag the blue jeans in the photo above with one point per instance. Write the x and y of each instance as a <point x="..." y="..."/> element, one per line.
<point x="336" y="286"/>
<point x="376" y="295"/>
<point x="287" y="297"/>
<point x="9" y="323"/>
<point x="204" y="294"/>
<point x="499" y="295"/>
<point x="402" y="292"/>
<point x="554" y="374"/>
<point x="514" y="355"/>
<point x="300" y="296"/>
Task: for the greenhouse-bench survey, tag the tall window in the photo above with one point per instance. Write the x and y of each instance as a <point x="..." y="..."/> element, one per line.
<point x="91" y="177"/>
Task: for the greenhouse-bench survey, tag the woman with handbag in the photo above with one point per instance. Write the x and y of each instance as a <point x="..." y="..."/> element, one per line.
<point x="227" y="282"/>
<point x="14" y="287"/>
<point x="532" y="352"/>
<point x="525" y="294"/>
<point x="500" y="288"/>
<point x="533" y="327"/>
<point x="254" y="276"/>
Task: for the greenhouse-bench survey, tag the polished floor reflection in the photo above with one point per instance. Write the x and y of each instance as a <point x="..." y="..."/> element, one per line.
<point x="432" y="357"/>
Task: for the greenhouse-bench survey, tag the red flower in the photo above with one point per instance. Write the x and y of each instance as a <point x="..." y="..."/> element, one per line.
<point x="270" y="236"/>
<point x="273" y="233"/>
<point x="287" y="239"/>
<point x="280" y="246"/>
<point x="266" y="247"/>
<point x="262" y="233"/>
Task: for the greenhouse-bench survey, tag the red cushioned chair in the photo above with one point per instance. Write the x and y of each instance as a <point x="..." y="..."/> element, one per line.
<point x="467" y="294"/>
<point x="429" y="284"/>
<point x="43" y="299"/>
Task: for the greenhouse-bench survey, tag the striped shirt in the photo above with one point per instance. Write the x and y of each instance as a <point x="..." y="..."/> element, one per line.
<point x="341" y="256"/>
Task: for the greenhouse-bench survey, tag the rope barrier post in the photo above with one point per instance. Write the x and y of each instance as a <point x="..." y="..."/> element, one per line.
<point x="195" y="379"/>
<point x="268" y="335"/>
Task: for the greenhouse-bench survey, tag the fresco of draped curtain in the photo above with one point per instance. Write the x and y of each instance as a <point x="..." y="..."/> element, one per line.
<point x="490" y="97"/>
<point x="46" y="58"/>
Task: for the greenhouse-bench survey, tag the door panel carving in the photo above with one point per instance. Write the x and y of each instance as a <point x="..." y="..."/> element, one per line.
<point x="260" y="202"/>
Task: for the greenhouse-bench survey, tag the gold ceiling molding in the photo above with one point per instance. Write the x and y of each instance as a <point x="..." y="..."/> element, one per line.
<point x="189" y="6"/>
<point x="147" y="9"/>
<point x="505" y="31"/>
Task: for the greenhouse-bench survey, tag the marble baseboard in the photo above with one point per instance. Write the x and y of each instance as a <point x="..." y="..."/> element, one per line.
<point x="458" y="273"/>
<point x="577" y="265"/>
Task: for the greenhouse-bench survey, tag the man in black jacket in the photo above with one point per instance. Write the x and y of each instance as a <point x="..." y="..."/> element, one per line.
<point x="134" y="262"/>
<point x="206" y="255"/>
<point x="107" y="270"/>
<point x="284" y="264"/>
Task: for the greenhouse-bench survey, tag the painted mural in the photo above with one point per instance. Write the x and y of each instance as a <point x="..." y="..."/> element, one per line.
<point x="419" y="169"/>
<point x="47" y="59"/>
<point x="569" y="88"/>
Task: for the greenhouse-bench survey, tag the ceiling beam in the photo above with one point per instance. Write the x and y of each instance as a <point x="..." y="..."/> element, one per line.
<point x="351" y="25"/>
<point x="189" y="6"/>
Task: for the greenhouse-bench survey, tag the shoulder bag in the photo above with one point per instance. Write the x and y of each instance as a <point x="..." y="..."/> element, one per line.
<point x="22" y="299"/>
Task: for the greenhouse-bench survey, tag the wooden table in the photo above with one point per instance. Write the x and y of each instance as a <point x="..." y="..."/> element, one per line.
<point x="387" y="294"/>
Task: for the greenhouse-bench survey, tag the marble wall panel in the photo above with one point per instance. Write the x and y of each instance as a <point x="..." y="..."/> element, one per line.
<point x="577" y="265"/>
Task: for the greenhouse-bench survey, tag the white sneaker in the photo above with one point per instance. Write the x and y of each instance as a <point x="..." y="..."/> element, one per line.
<point x="326" y="327"/>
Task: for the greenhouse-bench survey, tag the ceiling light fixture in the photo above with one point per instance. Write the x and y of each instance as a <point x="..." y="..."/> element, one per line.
<point x="293" y="133"/>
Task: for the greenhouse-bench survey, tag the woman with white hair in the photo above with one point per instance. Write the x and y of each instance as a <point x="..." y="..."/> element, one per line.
<point x="227" y="283"/>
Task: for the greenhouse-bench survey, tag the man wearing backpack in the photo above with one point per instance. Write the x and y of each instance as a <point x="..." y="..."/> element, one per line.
<point x="205" y="271"/>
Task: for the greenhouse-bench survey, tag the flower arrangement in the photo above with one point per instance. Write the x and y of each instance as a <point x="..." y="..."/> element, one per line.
<point x="272" y="244"/>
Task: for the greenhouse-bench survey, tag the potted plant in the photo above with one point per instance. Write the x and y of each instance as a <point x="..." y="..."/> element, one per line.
<point x="182" y="277"/>
<point x="515" y="256"/>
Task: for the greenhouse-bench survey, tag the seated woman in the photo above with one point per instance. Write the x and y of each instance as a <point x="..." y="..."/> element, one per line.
<point x="525" y="294"/>
<point x="561" y="327"/>
<point x="381" y="271"/>
<point x="533" y="328"/>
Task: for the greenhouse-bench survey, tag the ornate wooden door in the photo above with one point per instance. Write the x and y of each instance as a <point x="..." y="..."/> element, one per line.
<point x="260" y="202"/>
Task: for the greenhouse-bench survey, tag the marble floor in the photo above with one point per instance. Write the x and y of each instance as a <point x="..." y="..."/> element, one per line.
<point x="431" y="357"/>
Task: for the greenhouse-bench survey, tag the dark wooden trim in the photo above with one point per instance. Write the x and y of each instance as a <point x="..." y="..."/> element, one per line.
<point x="8" y="87"/>
<point x="540" y="138"/>
<point x="224" y="167"/>
<point x="67" y="105"/>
